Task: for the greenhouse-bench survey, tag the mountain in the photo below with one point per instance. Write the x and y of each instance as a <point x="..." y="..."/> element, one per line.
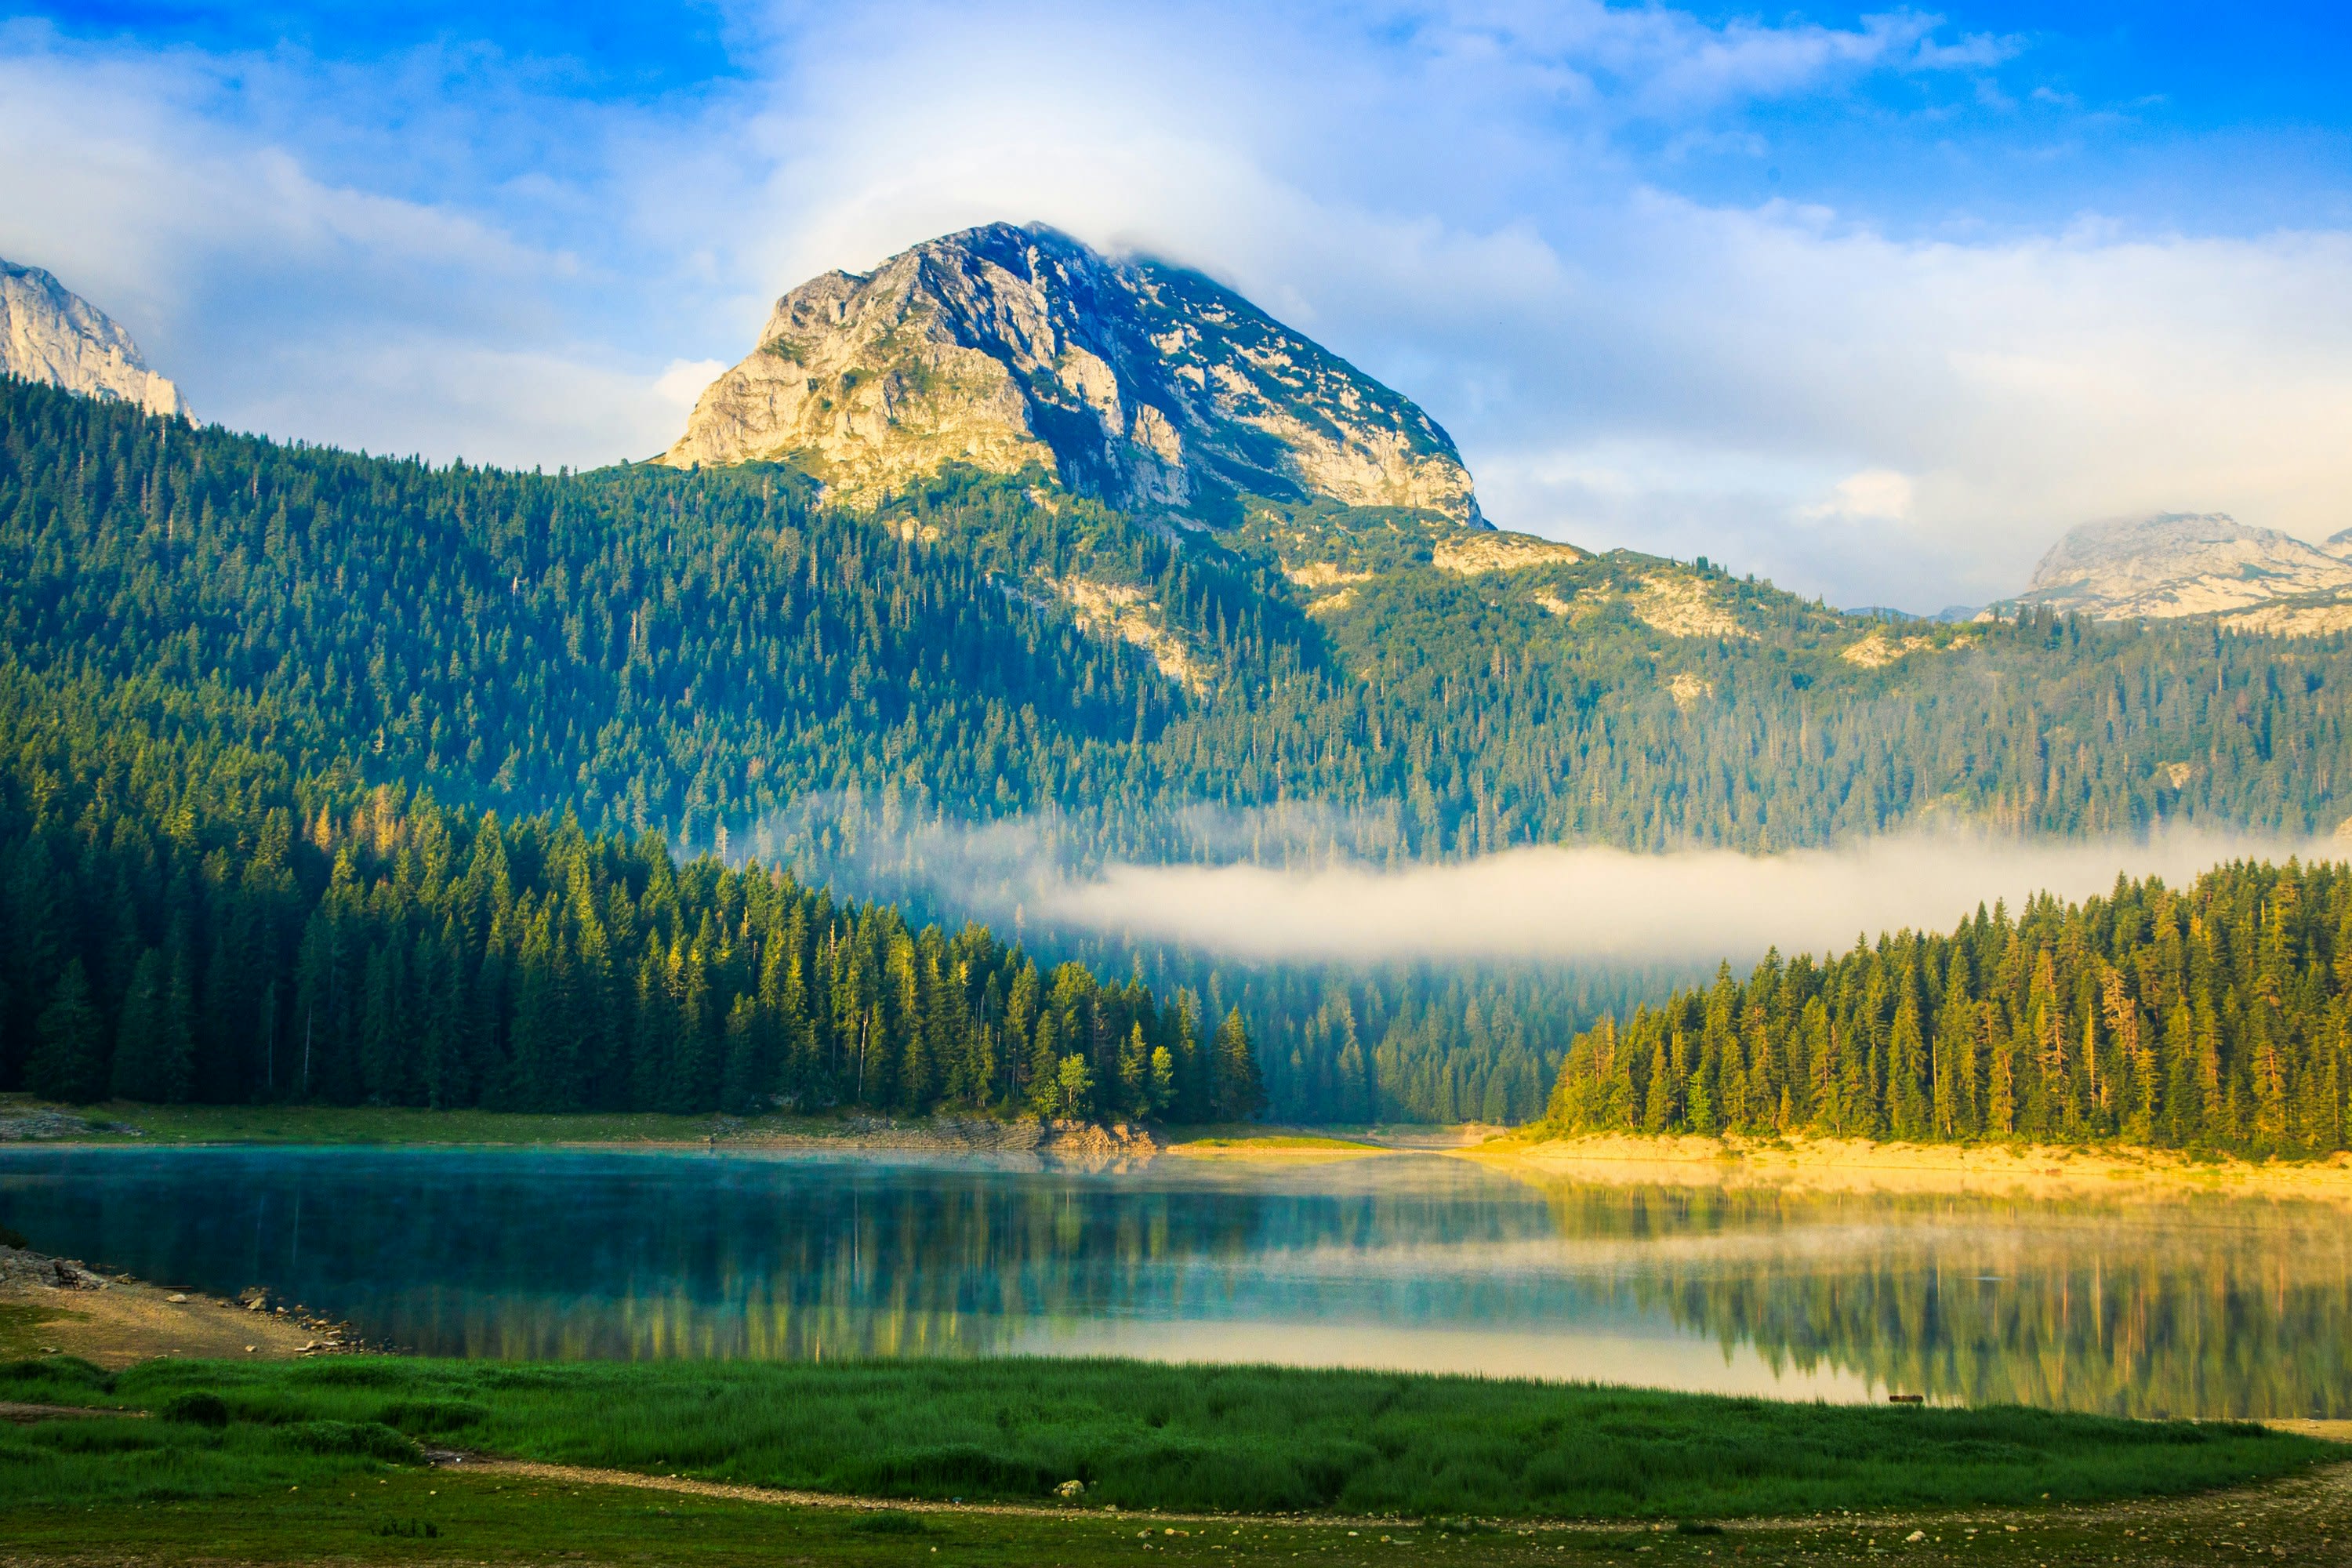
<point x="51" y="334"/>
<point x="2184" y="564"/>
<point x="1140" y="385"/>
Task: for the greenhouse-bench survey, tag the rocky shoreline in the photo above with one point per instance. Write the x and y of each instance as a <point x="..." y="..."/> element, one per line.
<point x="47" y="1126"/>
<point x="977" y="1134"/>
<point x="70" y="1309"/>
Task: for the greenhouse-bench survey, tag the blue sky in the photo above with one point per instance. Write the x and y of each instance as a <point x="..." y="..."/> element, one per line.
<point x="1876" y="302"/>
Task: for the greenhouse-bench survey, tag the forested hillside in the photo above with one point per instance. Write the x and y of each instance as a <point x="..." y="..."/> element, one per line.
<point x="186" y="919"/>
<point x="2216" y="1018"/>
<point x="713" y="658"/>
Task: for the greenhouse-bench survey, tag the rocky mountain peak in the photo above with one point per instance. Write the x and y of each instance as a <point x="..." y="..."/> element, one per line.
<point x="49" y="333"/>
<point x="2182" y="563"/>
<point x="1147" y="385"/>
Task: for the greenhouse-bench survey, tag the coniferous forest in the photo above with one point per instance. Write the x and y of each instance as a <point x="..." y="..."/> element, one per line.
<point x="596" y="680"/>
<point x="2216" y="1018"/>
<point x="186" y="921"/>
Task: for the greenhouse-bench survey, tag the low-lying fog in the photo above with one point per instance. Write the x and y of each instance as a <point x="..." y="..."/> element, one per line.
<point x="1544" y="903"/>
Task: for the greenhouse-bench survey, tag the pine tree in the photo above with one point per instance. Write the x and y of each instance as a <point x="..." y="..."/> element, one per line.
<point x="744" y="1091"/>
<point x="1238" y="1093"/>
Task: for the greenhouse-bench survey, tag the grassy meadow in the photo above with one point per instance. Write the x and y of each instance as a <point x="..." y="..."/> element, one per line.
<point x="1139" y="1436"/>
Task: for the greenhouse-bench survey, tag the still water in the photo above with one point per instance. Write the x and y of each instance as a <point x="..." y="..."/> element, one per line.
<point x="2186" y="1305"/>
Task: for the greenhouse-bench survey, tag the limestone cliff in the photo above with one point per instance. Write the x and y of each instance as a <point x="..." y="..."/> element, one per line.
<point x="49" y="333"/>
<point x="1140" y="384"/>
<point x="2181" y="564"/>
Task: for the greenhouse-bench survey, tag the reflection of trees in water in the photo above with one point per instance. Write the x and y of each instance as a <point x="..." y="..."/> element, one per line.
<point x="584" y="1255"/>
<point x="907" y="1262"/>
<point x="2202" y="1307"/>
<point x="2207" y="1306"/>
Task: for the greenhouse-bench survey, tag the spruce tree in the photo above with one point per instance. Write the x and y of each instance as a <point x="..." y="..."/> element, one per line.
<point x="1238" y="1093"/>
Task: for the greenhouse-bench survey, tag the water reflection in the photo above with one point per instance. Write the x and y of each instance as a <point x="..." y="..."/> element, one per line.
<point x="2209" y="1306"/>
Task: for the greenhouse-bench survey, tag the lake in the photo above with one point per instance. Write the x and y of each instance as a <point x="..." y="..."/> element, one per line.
<point x="2205" y="1306"/>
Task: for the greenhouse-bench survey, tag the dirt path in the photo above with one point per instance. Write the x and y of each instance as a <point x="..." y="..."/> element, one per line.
<point x="23" y="1415"/>
<point x="586" y="1475"/>
<point x="2318" y="1502"/>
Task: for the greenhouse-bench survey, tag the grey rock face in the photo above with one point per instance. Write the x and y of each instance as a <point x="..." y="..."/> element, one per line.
<point x="49" y="333"/>
<point x="2181" y="564"/>
<point x="1144" y="385"/>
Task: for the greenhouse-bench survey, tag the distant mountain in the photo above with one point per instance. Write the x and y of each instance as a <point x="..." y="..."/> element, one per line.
<point x="1137" y="384"/>
<point x="49" y="334"/>
<point x="2183" y="563"/>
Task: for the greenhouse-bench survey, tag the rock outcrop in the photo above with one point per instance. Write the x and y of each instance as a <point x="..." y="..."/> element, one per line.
<point x="1143" y="384"/>
<point x="2182" y="563"/>
<point x="49" y="333"/>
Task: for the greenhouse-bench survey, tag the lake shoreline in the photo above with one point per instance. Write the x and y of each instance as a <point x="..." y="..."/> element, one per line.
<point x="24" y="1122"/>
<point x="61" y="1306"/>
<point x="1796" y="1162"/>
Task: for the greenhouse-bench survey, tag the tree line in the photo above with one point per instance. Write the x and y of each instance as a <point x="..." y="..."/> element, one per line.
<point x="182" y="919"/>
<point x="2218" y="1017"/>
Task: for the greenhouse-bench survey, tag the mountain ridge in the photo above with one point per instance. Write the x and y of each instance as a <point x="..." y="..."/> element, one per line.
<point x="2169" y="564"/>
<point x="1145" y="385"/>
<point x="51" y="334"/>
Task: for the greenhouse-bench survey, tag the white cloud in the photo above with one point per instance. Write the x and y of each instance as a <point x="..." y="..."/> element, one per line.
<point x="287" y="301"/>
<point x="1444" y="194"/>
<point x="1873" y="494"/>
<point x="2019" y="387"/>
<point x="683" y="380"/>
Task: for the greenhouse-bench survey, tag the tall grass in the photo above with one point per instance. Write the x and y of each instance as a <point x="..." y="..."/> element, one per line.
<point x="1139" y="1434"/>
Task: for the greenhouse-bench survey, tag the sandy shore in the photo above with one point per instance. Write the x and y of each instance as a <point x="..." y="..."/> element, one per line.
<point x="56" y="1306"/>
<point x="1837" y="1164"/>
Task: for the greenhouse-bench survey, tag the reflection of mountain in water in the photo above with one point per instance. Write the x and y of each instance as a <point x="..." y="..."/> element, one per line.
<point x="2208" y="1306"/>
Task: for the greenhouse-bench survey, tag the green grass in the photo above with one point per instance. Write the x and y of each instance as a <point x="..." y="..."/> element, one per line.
<point x="24" y="1327"/>
<point x="1139" y="1435"/>
<point x="356" y="1516"/>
